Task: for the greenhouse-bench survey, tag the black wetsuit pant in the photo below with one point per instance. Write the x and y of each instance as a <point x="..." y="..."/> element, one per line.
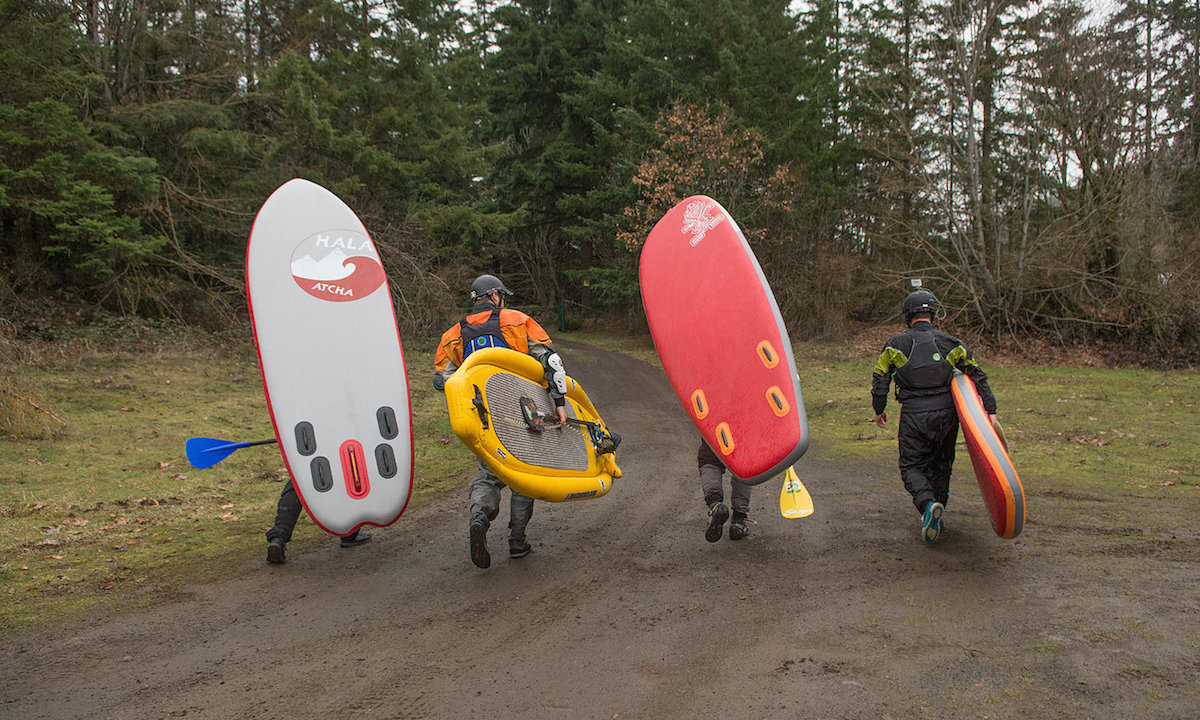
<point x="712" y="470"/>
<point x="287" y="512"/>
<point x="927" y="454"/>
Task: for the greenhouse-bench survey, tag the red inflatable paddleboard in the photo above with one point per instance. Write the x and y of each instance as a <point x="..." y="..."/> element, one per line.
<point x="332" y="364"/>
<point x="722" y="341"/>
<point x="998" y="481"/>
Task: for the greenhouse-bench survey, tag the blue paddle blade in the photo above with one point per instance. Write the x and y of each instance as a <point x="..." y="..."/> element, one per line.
<point x="205" y="452"/>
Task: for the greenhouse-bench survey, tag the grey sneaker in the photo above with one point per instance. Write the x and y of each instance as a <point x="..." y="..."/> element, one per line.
<point x="718" y="513"/>
<point x="738" y="529"/>
<point x="520" y="550"/>
<point x="356" y="539"/>
<point x="479" y="551"/>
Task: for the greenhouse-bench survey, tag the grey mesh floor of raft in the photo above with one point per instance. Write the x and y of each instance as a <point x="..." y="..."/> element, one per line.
<point x="563" y="448"/>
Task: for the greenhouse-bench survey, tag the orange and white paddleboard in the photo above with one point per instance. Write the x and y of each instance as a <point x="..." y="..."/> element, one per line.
<point x="332" y="364"/>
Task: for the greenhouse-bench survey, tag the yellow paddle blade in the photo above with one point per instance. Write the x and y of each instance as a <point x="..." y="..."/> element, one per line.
<point x="794" y="500"/>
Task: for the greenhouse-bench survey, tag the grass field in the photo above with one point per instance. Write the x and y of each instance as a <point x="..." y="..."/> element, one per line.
<point x="105" y="512"/>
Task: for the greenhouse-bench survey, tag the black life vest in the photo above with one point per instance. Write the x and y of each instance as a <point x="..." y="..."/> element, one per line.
<point x="926" y="369"/>
<point x="485" y="334"/>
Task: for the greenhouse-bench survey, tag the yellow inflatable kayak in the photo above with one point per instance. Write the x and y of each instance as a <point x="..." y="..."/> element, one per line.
<point x="501" y="410"/>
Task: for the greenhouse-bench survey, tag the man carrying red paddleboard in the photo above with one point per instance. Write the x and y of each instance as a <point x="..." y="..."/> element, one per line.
<point x="712" y="472"/>
<point x="921" y="360"/>
<point x="490" y="324"/>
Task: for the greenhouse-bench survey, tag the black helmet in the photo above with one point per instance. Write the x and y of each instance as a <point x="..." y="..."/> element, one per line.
<point x="919" y="301"/>
<point x="485" y="285"/>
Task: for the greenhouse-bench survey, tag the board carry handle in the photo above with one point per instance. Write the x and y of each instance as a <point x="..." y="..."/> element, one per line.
<point x="480" y="407"/>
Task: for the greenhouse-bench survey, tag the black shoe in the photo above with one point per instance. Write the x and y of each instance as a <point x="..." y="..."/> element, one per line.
<point x="519" y="551"/>
<point x="275" y="551"/>
<point x="738" y="529"/>
<point x="717" y="515"/>
<point x="479" y="551"/>
<point x="356" y="539"/>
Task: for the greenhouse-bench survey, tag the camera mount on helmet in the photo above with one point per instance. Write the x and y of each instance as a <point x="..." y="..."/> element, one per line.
<point x="920" y="301"/>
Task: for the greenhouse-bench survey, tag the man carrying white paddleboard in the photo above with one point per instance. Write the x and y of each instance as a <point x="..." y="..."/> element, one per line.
<point x="922" y="360"/>
<point x="490" y="324"/>
<point x="287" y="512"/>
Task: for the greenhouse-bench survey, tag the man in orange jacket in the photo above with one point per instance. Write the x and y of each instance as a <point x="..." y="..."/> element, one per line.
<point x="490" y="324"/>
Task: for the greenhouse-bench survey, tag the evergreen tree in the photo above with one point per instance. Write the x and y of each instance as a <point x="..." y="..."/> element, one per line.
<point x="563" y="119"/>
<point x="71" y="196"/>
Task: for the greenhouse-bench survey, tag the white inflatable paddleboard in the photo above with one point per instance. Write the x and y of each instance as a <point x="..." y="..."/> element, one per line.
<point x="332" y="364"/>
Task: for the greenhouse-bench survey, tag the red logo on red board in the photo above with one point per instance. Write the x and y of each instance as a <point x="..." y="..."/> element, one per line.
<point x="337" y="265"/>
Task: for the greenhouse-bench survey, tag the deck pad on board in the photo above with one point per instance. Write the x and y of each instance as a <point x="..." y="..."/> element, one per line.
<point x="564" y="448"/>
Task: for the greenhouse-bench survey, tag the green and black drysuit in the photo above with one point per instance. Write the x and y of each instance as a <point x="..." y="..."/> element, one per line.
<point x="922" y="360"/>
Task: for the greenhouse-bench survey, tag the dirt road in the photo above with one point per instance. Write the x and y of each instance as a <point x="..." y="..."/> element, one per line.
<point x="624" y="611"/>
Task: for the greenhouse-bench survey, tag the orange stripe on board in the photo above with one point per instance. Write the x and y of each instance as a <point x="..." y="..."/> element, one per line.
<point x="997" y="469"/>
<point x="1010" y="504"/>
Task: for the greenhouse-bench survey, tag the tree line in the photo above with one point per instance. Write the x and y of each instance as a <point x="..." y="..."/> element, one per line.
<point x="1034" y="162"/>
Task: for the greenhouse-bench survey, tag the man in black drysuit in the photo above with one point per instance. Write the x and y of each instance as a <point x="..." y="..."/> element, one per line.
<point x="287" y="512"/>
<point x="922" y="361"/>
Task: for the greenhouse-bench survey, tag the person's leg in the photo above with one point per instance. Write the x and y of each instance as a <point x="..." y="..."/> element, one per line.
<point x="739" y="498"/>
<point x="287" y="513"/>
<point x="484" y="494"/>
<point x="520" y="510"/>
<point x="918" y="445"/>
<point x="711" y="472"/>
<point x="916" y="454"/>
<point x="945" y="432"/>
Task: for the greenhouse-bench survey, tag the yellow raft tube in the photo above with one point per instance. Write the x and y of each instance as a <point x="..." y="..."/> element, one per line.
<point x="485" y="396"/>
